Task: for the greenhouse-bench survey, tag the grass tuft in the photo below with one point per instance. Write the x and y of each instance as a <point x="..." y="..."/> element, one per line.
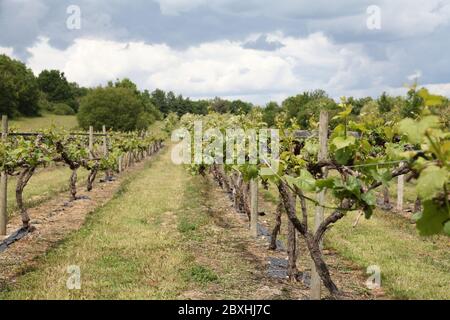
<point x="200" y="274"/>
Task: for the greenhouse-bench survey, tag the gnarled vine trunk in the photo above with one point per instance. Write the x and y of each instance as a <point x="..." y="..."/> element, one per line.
<point x="24" y="176"/>
<point x="386" y="197"/>
<point x="417" y="205"/>
<point x="292" y="237"/>
<point x="292" y="251"/>
<point x="277" y="228"/>
<point x="91" y="178"/>
<point x="73" y="184"/>
<point x="312" y="241"/>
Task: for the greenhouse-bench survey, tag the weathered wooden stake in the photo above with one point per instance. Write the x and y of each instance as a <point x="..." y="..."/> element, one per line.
<point x="4" y="184"/>
<point x="105" y="150"/>
<point x="91" y="142"/>
<point x="315" y="293"/>
<point x="254" y="207"/>
<point x="119" y="164"/>
<point x="400" y="186"/>
<point x="105" y="142"/>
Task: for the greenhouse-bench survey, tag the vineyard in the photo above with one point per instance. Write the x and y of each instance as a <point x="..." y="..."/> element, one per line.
<point x="343" y="169"/>
<point x="228" y="159"/>
<point x="296" y="204"/>
<point x="23" y="153"/>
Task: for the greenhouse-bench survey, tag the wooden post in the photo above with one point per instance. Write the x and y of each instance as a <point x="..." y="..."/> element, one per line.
<point x="119" y="164"/>
<point x="105" y="142"/>
<point x="254" y="207"/>
<point x="292" y="248"/>
<point x="91" y="142"/>
<point x="105" y="150"/>
<point x="4" y="184"/>
<point x="315" y="293"/>
<point x="400" y="186"/>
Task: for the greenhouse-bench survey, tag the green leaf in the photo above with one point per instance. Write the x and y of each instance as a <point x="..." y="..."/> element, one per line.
<point x="353" y="185"/>
<point x="431" y="182"/>
<point x="408" y="128"/>
<point x="290" y="180"/>
<point x="417" y="216"/>
<point x="343" y="156"/>
<point x="447" y="228"/>
<point x="325" y="183"/>
<point x="414" y="130"/>
<point x="306" y="181"/>
<point x="368" y="211"/>
<point x="369" y="198"/>
<point x="343" y="142"/>
<point x="432" y="219"/>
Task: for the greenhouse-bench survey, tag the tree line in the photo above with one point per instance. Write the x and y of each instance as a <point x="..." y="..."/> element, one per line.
<point x="305" y="108"/>
<point x="120" y="105"/>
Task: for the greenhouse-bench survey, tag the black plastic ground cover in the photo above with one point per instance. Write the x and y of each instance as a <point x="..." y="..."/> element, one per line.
<point x="263" y="232"/>
<point x="15" y="236"/>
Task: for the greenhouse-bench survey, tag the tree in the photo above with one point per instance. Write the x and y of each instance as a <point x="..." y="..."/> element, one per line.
<point x="125" y="83"/>
<point x="413" y="104"/>
<point x="240" y="107"/>
<point x="307" y="105"/>
<point x="358" y="104"/>
<point x="58" y="90"/>
<point x="116" y="108"/>
<point x="159" y="100"/>
<point x="19" y="92"/>
<point x="171" y="101"/>
<point x="200" y="107"/>
<point x="270" y="112"/>
<point x="311" y="110"/>
<point x="149" y="106"/>
<point x="292" y="105"/>
<point x="220" y="105"/>
<point x="384" y="103"/>
<point x="297" y="107"/>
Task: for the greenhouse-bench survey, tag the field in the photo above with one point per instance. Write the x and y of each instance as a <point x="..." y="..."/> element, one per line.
<point x="165" y="234"/>
<point x="46" y="121"/>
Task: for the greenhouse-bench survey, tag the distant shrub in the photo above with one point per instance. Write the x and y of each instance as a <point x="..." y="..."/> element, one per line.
<point x="144" y="120"/>
<point x="117" y="108"/>
<point x="44" y="104"/>
<point x="62" y="109"/>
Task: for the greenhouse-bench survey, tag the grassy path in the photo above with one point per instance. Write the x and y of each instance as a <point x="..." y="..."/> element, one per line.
<point x="412" y="267"/>
<point x="157" y="239"/>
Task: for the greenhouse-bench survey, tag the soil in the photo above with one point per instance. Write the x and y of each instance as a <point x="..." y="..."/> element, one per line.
<point x="348" y="277"/>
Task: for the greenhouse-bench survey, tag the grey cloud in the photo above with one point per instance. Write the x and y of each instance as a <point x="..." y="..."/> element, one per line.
<point x="418" y="44"/>
<point x="261" y="43"/>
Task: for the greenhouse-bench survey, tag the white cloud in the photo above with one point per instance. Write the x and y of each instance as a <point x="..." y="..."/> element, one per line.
<point x="222" y="68"/>
<point x="414" y="17"/>
<point x="415" y="76"/>
<point x="439" y="88"/>
<point x="8" y="51"/>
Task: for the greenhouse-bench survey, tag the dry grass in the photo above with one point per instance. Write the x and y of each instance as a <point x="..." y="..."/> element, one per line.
<point x="44" y="122"/>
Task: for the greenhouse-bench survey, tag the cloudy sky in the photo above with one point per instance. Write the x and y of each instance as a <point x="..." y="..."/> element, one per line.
<point x="256" y="50"/>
